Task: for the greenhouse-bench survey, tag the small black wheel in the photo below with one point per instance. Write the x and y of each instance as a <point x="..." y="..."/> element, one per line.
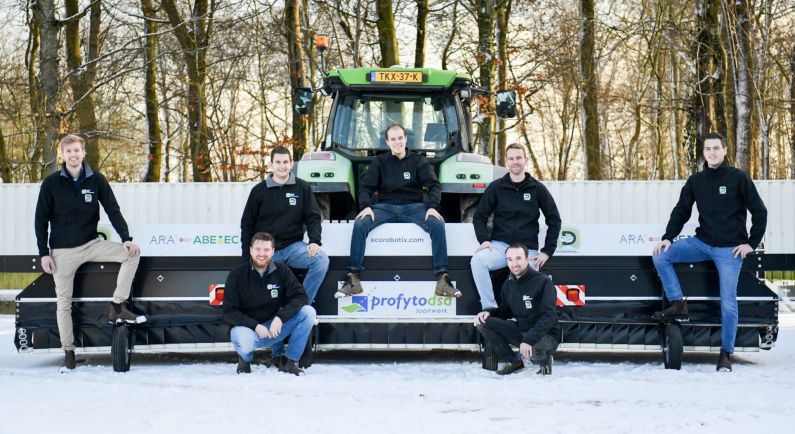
<point x="308" y="357"/>
<point x="488" y="356"/>
<point x="672" y="346"/>
<point x="121" y="348"/>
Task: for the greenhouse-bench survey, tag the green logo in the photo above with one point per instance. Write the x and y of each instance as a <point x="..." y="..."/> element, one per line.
<point x="351" y="308"/>
<point x="569" y="238"/>
<point x="722" y="189"/>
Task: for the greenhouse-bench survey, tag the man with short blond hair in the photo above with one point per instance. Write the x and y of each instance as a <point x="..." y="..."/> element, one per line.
<point x="66" y="220"/>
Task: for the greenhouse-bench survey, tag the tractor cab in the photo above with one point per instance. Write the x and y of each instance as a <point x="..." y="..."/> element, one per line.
<point x="432" y="105"/>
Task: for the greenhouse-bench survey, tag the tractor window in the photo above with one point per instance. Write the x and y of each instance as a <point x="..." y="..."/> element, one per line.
<point x="360" y="121"/>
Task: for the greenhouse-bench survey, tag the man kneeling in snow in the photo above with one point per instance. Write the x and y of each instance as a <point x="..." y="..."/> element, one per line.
<point x="529" y="297"/>
<point x="265" y="303"/>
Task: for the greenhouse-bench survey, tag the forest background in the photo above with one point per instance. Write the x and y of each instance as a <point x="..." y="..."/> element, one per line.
<point x="180" y="91"/>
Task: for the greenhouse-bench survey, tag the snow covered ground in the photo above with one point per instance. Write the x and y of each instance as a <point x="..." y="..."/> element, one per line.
<point x="588" y="393"/>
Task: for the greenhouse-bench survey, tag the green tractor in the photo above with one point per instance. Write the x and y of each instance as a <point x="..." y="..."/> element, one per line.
<point x="434" y="107"/>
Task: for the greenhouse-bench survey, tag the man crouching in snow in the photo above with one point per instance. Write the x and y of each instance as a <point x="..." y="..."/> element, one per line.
<point x="265" y="303"/>
<point x="529" y="297"/>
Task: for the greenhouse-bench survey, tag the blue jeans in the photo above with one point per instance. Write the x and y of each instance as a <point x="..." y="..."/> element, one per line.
<point x="694" y="250"/>
<point x="296" y="256"/>
<point x="486" y="260"/>
<point x="411" y="213"/>
<point x="246" y="340"/>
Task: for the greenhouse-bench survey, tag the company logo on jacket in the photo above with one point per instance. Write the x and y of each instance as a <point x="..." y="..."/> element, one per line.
<point x="722" y="189"/>
<point x="292" y="198"/>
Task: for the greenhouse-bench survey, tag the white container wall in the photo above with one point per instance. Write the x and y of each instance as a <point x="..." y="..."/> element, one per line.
<point x="579" y="202"/>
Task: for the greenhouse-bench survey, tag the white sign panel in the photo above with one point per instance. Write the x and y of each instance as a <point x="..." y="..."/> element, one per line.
<point x="395" y="239"/>
<point x="382" y="299"/>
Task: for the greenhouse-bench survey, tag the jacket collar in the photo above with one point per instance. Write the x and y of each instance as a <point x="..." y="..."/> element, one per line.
<point x="86" y="170"/>
<point x="718" y="169"/>
<point x="271" y="183"/>
<point x="528" y="180"/>
<point x="271" y="267"/>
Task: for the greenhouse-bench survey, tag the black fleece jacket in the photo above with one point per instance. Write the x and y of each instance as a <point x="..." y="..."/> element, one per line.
<point x="400" y="182"/>
<point x="281" y="210"/>
<point x="531" y="300"/>
<point x="723" y="197"/>
<point x="251" y="299"/>
<point x="72" y="210"/>
<point x="516" y="211"/>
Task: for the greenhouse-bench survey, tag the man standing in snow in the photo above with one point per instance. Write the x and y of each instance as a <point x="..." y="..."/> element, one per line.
<point x="529" y="297"/>
<point x="283" y="205"/>
<point x="516" y="200"/>
<point x="723" y="195"/>
<point x="265" y="303"/>
<point x="69" y="206"/>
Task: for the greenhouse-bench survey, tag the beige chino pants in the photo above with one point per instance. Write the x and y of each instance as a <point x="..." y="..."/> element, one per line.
<point x="67" y="261"/>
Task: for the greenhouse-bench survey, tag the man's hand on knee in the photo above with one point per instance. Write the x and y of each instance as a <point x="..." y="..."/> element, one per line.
<point x="661" y="247"/>
<point x="312" y="249"/>
<point x="365" y="213"/>
<point x="433" y="213"/>
<point x="132" y="248"/>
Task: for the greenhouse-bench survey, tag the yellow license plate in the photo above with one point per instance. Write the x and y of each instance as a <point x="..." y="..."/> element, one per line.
<point x="396" y="77"/>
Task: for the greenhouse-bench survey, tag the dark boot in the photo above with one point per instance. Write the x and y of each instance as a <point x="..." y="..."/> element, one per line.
<point x="351" y="286"/>
<point x="118" y="312"/>
<point x="677" y="311"/>
<point x="243" y="367"/>
<point x="513" y="367"/>
<point x="724" y="362"/>
<point x="546" y="368"/>
<point x="276" y="361"/>
<point x="69" y="359"/>
<point x="444" y="287"/>
<point x="290" y="367"/>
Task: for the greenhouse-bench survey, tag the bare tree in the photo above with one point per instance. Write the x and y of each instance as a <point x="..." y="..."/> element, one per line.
<point x="792" y="112"/>
<point x="387" y="36"/>
<point x="49" y="65"/>
<point x="295" y="66"/>
<point x="5" y="164"/>
<point x="194" y="39"/>
<point x="589" y="88"/>
<point x="422" y="24"/>
<point x="740" y="52"/>
<point x="154" y="160"/>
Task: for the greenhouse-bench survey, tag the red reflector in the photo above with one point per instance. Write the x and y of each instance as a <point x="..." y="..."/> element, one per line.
<point x="573" y="294"/>
<point x="219" y="294"/>
<point x="479" y="185"/>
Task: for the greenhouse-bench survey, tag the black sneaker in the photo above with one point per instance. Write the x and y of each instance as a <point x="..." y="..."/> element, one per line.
<point x="512" y="367"/>
<point x="243" y="367"/>
<point x="118" y="312"/>
<point x="351" y="286"/>
<point x="69" y="360"/>
<point x="724" y="362"/>
<point x="445" y="288"/>
<point x="546" y="368"/>
<point x="290" y="367"/>
<point x="677" y="311"/>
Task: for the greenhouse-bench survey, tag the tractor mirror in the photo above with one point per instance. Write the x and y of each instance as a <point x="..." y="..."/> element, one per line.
<point x="303" y="100"/>
<point x="506" y="103"/>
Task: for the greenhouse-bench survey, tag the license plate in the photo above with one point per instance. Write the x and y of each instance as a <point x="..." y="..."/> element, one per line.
<point x="396" y="77"/>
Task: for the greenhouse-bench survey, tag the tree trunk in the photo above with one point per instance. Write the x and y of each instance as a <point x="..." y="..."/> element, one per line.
<point x="590" y="110"/>
<point x="295" y="66"/>
<point x="5" y="165"/>
<point x="792" y="113"/>
<point x="451" y="38"/>
<point x="195" y="43"/>
<point x="486" y="17"/>
<point x="387" y="38"/>
<point x="81" y="76"/>
<point x="49" y="65"/>
<point x="422" y="25"/>
<point x="503" y="13"/>
<point x="35" y="97"/>
<point x="154" y="142"/>
<point x="742" y="86"/>
<point x="706" y="55"/>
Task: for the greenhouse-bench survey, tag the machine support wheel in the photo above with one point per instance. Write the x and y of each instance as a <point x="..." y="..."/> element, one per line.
<point x="672" y="346"/>
<point x="121" y="347"/>
<point x="488" y="356"/>
<point x="308" y="357"/>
